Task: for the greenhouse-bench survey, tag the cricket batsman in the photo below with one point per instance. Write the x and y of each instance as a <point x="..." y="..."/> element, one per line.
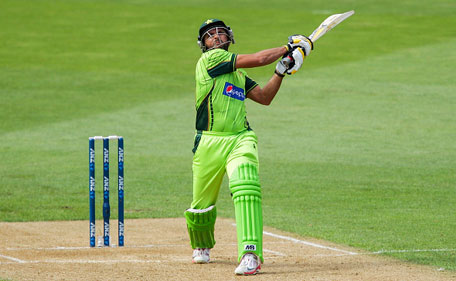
<point x="224" y="141"/>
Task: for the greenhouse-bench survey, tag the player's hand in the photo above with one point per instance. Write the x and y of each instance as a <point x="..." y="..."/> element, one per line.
<point x="297" y="59"/>
<point x="283" y="64"/>
<point x="300" y="41"/>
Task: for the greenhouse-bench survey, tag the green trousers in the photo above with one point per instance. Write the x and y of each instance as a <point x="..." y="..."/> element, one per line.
<point x="217" y="153"/>
<point x="235" y="154"/>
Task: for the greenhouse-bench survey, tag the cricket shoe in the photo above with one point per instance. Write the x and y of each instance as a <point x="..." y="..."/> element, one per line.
<point x="249" y="265"/>
<point x="201" y="255"/>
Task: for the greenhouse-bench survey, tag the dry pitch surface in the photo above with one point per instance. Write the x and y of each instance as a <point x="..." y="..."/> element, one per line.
<point x="158" y="249"/>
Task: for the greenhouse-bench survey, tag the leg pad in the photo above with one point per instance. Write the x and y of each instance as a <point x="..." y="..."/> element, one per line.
<point x="245" y="187"/>
<point x="200" y="226"/>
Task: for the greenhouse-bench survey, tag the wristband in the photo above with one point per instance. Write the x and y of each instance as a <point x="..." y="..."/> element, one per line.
<point x="278" y="74"/>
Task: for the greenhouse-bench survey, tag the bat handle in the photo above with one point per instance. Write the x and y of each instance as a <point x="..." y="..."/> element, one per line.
<point x="286" y="61"/>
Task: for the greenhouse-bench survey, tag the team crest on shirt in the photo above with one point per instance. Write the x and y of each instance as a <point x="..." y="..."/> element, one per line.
<point x="233" y="92"/>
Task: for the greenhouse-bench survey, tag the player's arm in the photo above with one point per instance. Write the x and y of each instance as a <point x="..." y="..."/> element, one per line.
<point x="260" y="58"/>
<point x="269" y="56"/>
<point x="266" y="95"/>
<point x="290" y="65"/>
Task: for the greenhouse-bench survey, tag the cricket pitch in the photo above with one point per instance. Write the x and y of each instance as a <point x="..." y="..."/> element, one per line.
<point x="158" y="249"/>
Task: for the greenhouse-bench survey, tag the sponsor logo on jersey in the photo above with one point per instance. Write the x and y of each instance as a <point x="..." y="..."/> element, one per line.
<point x="249" y="247"/>
<point x="233" y="92"/>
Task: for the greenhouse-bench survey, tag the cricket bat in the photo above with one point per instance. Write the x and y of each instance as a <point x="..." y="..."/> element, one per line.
<point x="328" y="24"/>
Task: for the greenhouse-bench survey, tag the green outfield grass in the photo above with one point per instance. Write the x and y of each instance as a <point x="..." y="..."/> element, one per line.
<point x="359" y="147"/>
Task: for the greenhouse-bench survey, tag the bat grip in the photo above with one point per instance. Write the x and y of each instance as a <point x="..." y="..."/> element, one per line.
<point x="286" y="61"/>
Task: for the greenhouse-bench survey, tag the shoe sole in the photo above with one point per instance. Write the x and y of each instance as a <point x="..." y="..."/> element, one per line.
<point x="199" y="262"/>
<point x="253" y="272"/>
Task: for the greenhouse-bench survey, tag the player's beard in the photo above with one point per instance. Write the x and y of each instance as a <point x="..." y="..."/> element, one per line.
<point x="223" y="45"/>
<point x="218" y="43"/>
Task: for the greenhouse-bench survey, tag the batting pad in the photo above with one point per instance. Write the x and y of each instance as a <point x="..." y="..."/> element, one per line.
<point x="200" y="225"/>
<point x="245" y="187"/>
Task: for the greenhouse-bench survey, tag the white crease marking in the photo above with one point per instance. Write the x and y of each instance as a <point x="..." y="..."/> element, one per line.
<point x="307" y="243"/>
<point x="12" y="259"/>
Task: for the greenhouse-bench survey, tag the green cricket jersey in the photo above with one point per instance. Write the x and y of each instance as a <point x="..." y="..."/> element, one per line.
<point x="220" y="93"/>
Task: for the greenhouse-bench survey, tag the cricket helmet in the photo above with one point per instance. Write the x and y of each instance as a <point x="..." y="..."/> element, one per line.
<point x="214" y="23"/>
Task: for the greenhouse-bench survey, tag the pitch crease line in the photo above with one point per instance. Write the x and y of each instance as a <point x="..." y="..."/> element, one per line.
<point x="94" y="248"/>
<point x="305" y="242"/>
<point x="413" y="251"/>
<point x="12" y="259"/>
<point x="89" y="261"/>
<point x="274" y="252"/>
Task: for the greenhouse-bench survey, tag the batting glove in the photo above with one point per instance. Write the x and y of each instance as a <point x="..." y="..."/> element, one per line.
<point x="283" y="64"/>
<point x="300" y="41"/>
<point x="297" y="59"/>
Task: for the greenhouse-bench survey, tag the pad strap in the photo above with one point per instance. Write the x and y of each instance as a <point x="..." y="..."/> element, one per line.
<point x="200" y="226"/>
